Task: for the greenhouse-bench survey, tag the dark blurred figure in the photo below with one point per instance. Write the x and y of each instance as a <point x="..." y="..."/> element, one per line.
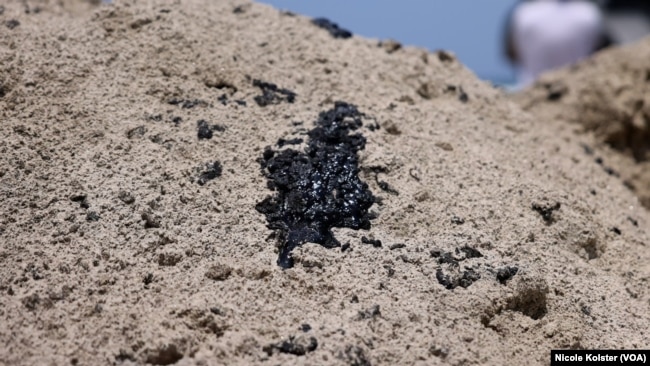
<point x="547" y="34"/>
<point x="627" y="20"/>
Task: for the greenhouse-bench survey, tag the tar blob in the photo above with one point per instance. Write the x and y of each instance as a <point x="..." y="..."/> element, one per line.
<point x="450" y="275"/>
<point x="333" y="28"/>
<point x="546" y="210"/>
<point x="272" y="94"/>
<point x="212" y="171"/>
<point x="203" y="130"/>
<point x="319" y="188"/>
<point x="506" y="273"/>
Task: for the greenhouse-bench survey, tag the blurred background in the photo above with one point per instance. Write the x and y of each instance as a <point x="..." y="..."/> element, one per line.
<point x="473" y="30"/>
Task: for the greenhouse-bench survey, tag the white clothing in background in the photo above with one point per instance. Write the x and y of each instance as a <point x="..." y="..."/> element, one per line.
<point x="549" y="34"/>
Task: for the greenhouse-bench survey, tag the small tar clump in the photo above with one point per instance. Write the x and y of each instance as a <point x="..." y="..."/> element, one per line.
<point x="216" y="311"/>
<point x="546" y="210"/>
<point x="148" y="279"/>
<point x="462" y="96"/>
<point x="213" y="170"/>
<point x="387" y="187"/>
<point x="136" y="132"/>
<point x="92" y="216"/>
<point x="382" y="184"/>
<point x="465" y="279"/>
<point x="469" y="252"/>
<point x="555" y="91"/>
<point x="305" y="327"/>
<point x="390" y="272"/>
<point x="354" y="356"/>
<point x="82" y="199"/>
<point x="204" y="130"/>
<point x="298" y="346"/>
<point x="374" y="242"/>
<point x="150" y="220"/>
<point x="370" y="313"/>
<point x="607" y="169"/>
<point x="126" y="197"/>
<point x="447" y="258"/>
<point x="319" y="188"/>
<point x="283" y="142"/>
<point x="187" y="103"/>
<point x="451" y="276"/>
<point x="506" y="273"/>
<point x="587" y="149"/>
<point x="445" y="56"/>
<point x="374" y="127"/>
<point x="611" y="171"/>
<point x="333" y="28"/>
<point x="11" y="24"/>
<point x="457" y="220"/>
<point x="272" y="94"/>
<point x="223" y="99"/>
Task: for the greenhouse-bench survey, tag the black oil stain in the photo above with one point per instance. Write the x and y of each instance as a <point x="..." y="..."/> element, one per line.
<point x="319" y="188"/>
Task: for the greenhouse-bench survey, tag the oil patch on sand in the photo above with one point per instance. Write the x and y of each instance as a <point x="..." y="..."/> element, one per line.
<point x="319" y="188"/>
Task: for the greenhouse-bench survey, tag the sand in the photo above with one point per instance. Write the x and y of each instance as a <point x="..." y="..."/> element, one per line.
<point x="114" y="253"/>
<point x="607" y="98"/>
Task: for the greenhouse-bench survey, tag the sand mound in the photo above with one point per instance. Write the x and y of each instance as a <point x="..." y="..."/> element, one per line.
<point x="138" y="222"/>
<point x="608" y="98"/>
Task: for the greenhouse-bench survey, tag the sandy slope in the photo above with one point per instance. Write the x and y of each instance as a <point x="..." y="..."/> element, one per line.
<point x="112" y="253"/>
<point x="608" y="98"/>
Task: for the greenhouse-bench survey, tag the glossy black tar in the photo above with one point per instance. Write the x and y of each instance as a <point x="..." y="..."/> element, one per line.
<point x="318" y="189"/>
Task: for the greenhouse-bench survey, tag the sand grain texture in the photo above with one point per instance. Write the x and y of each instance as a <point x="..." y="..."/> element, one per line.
<point x="606" y="98"/>
<point x="113" y="252"/>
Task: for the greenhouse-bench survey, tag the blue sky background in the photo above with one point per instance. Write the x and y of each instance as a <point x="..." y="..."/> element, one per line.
<point x="472" y="29"/>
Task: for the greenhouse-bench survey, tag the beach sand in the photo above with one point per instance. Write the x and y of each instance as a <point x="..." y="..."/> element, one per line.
<point x="606" y="99"/>
<point x="121" y="244"/>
